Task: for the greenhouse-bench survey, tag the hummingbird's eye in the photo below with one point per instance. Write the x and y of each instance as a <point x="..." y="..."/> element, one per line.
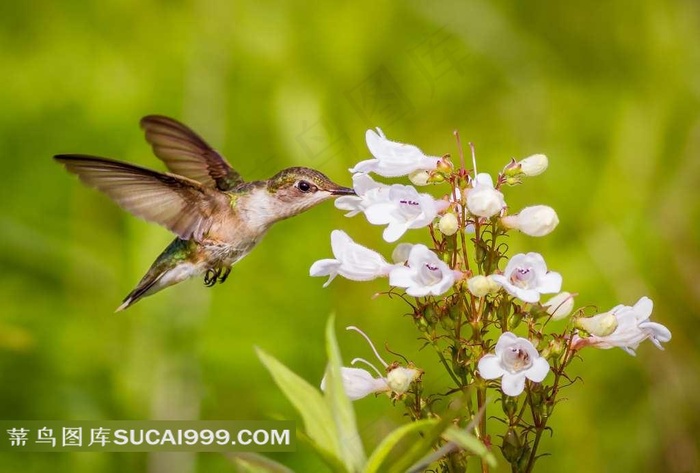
<point x="306" y="186"/>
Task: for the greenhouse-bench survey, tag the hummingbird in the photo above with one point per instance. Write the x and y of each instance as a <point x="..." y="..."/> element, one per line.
<point x="217" y="217"/>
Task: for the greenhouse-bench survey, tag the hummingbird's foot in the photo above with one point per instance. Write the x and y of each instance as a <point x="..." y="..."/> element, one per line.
<point x="211" y="276"/>
<point x="224" y="276"/>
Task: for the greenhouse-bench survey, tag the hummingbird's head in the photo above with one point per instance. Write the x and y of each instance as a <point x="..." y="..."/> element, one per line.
<point x="298" y="189"/>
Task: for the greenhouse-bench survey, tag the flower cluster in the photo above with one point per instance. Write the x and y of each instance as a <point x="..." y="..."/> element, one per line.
<point x="463" y="293"/>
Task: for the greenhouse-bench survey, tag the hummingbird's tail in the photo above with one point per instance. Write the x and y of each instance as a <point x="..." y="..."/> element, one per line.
<point x="146" y="287"/>
<point x="169" y="268"/>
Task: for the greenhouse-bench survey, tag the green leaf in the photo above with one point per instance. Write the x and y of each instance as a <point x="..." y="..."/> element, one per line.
<point x="471" y="443"/>
<point x="331" y="460"/>
<point x="308" y="401"/>
<point x="375" y="464"/>
<point x="255" y="463"/>
<point x="420" y="448"/>
<point x="351" y="450"/>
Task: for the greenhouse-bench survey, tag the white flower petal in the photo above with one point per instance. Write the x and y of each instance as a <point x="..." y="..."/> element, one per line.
<point x="490" y="367"/>
<point x="401" y="276"/>
<point x="393" y="159"/>
<point x="394" y="231"/>
<point x="418" y="291"/>
<point x="483" y="179"/>
<point x="525" y="295"/>
<point x="513" y="383"/>
<point x="358" y="383"/>
<point x="643" y="308"/>
<point x="324" y="267"/>
<point x="352" y="261"/>
<point x="550" y="283"/>
<point x="352" y="203"/>
<point x="505" y="340"/>
<point x="538" y="371"/>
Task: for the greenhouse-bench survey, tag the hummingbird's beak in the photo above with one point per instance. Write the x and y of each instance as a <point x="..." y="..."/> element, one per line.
<point x="343" y="191"/>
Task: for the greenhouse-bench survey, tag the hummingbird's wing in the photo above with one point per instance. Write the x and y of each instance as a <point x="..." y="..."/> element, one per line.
<point x="182" y="205"/>
<point x="186" y="154"/>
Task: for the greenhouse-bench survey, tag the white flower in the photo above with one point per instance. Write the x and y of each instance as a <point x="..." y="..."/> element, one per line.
<point x="480" y="285"/>
<point x="392" y="159"/>
<point x="560" y="305"/>
<point x="358" y="383"/>
<point x="534" y="165"/>
<point x="448" y="224"/>
<point x="425" y="274"/>
<point x="515" y="359"/>
<point x="633" y="327"/>
<point x="483" y="199"/>
<point x="368" y="193"/>
<point x="398" y="206"/>
<point x="538" y="220"/>
<point x="403" y="208"/>
<point x="352" y="261"/>
<point x="526" y="277"/>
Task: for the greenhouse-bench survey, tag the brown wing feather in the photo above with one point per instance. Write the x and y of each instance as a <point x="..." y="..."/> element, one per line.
<point x="185" y="153"/>
<point x="182" y="205"/>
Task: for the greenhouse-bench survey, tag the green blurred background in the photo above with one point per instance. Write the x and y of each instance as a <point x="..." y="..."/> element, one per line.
<point x="610" y="91"/>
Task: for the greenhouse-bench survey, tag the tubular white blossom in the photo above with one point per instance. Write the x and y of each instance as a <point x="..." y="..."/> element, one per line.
<point x="483" y="200"/>
<point x="359" y="383"/>
<point x="526" y="277"/>
<point x="369" y="192"/>
<point x="352" y="261"/>
<point x="403" y="209"/>
<point x="538" y="220"/>
<point x="425" y="274"/>
<point x="515" y="360"/>
<point x="392" y="159"/>
<point x="633" y="327"/>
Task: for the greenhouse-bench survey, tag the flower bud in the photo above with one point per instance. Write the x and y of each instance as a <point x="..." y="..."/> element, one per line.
<point x="479" y="285"/>
<point x="399" y="379"/>
<point x="538" y="220"/>
<point x="448" y="224"/>
<point x="419" y="178"/>
<point x="436" y="177"/>
<point x="534" y="165"/>
<point x="513" y="180"/>
<point x="560" y="305"/>
<point x="600" y="325"/>
<point x="512" y="447"/>
<point x="445" y="165"/>
<point x="554" y="349"/>
<point x="483" y="199"/>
